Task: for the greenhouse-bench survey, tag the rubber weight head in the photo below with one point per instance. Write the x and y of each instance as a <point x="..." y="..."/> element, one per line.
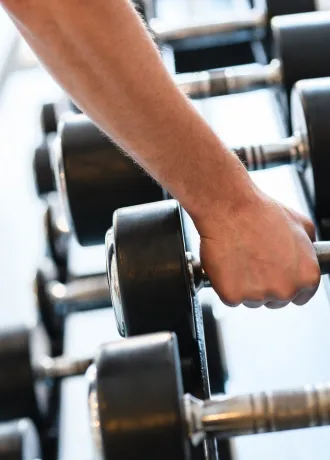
<point x="98" y="179"/>
<point x="283" y="7"/>
<point x="301" y="44"/>
<point x="48" y="118"/>
<point x="214" y="350"/>
<point x="46" y="274"/>
<point x="57" y="235"/>
<point x="19" y="441"/>
<point x="147" y="250"/>
<point x="20" y="395"/>
<point x="150" y="285"/>
<point x="44" y="178"/>
<point x="140" y="399"/>
<point x="310" y="118"/>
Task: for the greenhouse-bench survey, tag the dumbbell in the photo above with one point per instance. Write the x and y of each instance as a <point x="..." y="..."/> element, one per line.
<point x="147" y="265"/>
<point x="254" y="20"/>
<point x="19" y="441"/>
<point x="140" y="409"/>
<point x="309" y="32"/>
<point x="28" y="373"/>
<point x="95" y="178"/>
<point x="55" y="300"/>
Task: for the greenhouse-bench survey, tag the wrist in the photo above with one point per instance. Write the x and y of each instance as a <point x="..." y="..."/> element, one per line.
<point x="227" y="191"/>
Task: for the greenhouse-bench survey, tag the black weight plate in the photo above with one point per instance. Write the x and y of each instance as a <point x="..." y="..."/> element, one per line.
<point x="214" y="350"/>
<point x="150" y="286"/>
<point x="98" y="179"/>
<point x="48" y="118"/>
<point x="46" y="274"/>
<point x="42" y="170"/>
<point x="147" y="251"/>
<point x="301" y="44"/>
<point x="19" y="441"/>
<point x="20" y="395"/>
<point x="57" y="239"/>
<point x="140" y="399"/>
<point x="283" y="7"/>
<point x="310" y="117"/>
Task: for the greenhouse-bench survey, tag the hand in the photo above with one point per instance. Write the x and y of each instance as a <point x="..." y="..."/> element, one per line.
<point x="259" y="253"/>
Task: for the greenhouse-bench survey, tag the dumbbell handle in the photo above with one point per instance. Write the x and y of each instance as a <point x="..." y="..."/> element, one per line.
<point x="81" y="292"/>
<point x="256" y="413"/>
<point x="230" y="80"/>
<point x="247" y="20"/>
<point x="199" y="277"/>
<point x="284" y="151"/>
<point x="60" y="367"/>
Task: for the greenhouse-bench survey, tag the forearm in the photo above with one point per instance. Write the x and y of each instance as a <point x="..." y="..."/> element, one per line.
<point x="101" y="54"/>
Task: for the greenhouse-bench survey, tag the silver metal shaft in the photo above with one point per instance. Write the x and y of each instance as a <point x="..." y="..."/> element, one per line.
<point x="80" y="293"/>
<point x="60" y="367"/>
<point x="229" y="80"/>
<point x="247" y="20"/>
<point x="284" y="151"/>
<point x="255" y="413"/>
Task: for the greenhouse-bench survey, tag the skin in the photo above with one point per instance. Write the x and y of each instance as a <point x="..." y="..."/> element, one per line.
<point x="255" y="250"/>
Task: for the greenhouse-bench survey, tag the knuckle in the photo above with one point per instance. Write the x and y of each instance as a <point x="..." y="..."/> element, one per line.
<point x="308" y="223"/>
<point x="315" y="275"/>
<point x="286" y="292"/>
<point x="312" y="275"/>
<point x="230" y="297"/>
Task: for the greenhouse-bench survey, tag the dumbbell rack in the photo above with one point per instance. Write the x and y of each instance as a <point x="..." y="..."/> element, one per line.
<point x="295" y="342"/>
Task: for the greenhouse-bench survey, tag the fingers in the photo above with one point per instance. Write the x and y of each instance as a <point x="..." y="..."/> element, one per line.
<point x="275" y="305"/>
<point x="253" y="304"/>
<point x="304" y="297"/>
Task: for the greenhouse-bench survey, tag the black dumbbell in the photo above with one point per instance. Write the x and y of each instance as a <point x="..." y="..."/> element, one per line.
<point x="55" y="300"/>
<point x="27" y="374"/>
<point x="154" y="268"/>
<point x="140" y="409"/>
<point x="309" y="32"/>
<point x="254" y="20"/>
<point x="19" y="441"/>
<point x="96" y="178"/>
